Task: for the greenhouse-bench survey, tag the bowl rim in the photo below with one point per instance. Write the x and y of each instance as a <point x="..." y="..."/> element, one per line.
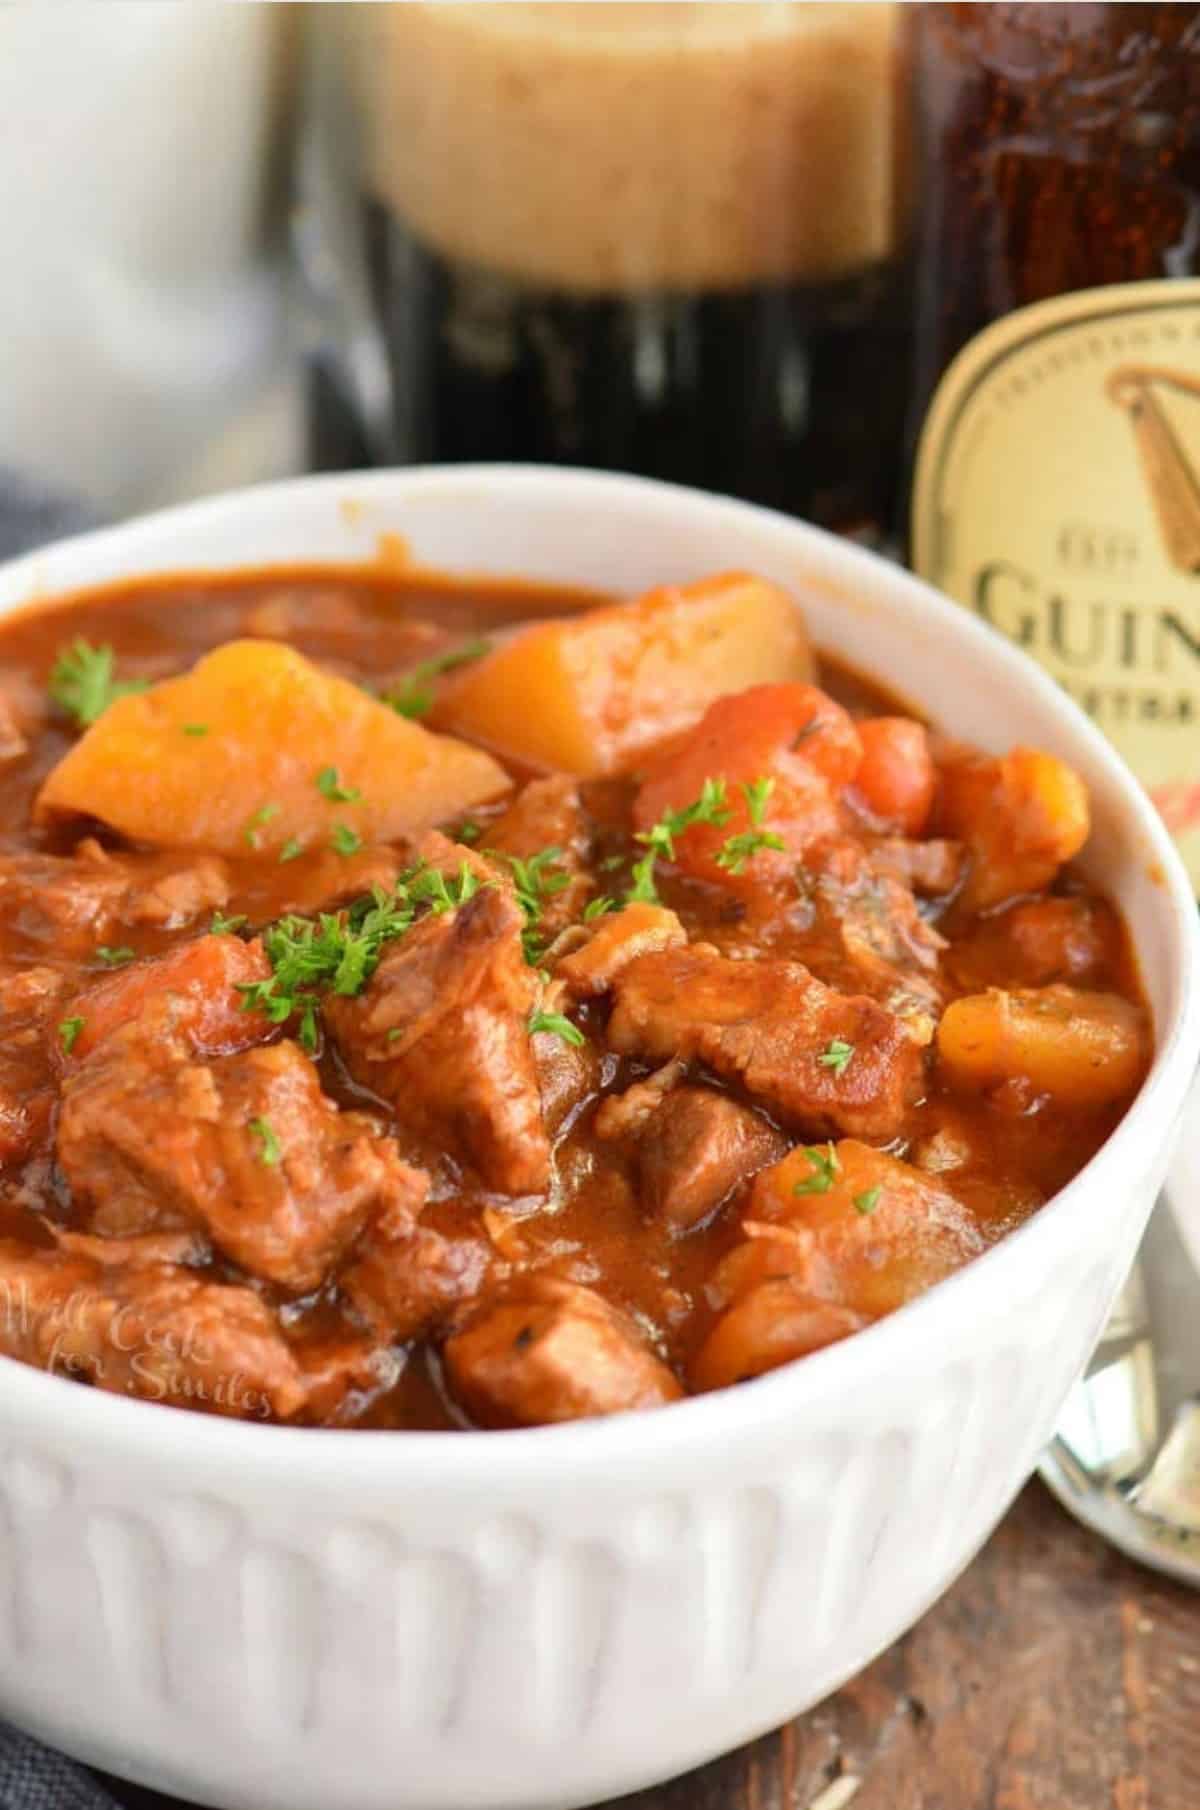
<point x="386" y="1456"/>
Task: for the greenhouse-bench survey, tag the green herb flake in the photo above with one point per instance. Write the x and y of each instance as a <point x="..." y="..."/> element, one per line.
<point x="291" y="849"/>
<point x="68" y="1033"/>
<point x="344" y="840"/>
<point x="739" y="849"/>
<point x="659" y="839"/>
<point x="223" y="926"/>
<point x="269" y="1153"/>
<point x="823" y="1161"/>
<point x="264" y="814"/>
<point x="412" y="697"/>
<point x="115" y="957"/>
<point x="330" y="786"/>
<point x="536" y="878"/>
<point x="430" y="885"/>
<point x="867" y="1202"/>
<point x="468" y="832"/>
<point x="195" y="728"/>
<point x="556" y="1026"/>
<point x="596" y="908"/>
<point x="837" y="1055"/>
<point x="83" y="683"/>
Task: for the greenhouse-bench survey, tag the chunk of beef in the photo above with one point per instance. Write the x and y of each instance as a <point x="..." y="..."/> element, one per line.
<point x="191" y="996"/>
<point x="30" y="1003"/>
<point x="568" y="1074"/>
<point x="149" y="1330"/>
<point x="552" y="1351"/>
<point x="932" y="868"/>
<point x="441" y="1033"/>
<point x="327" y="881"/>
<point x="616" y="940"/>
<point x="696" y="1149"/>
<point x="184" y="1248"/>
<point x="824" y="1060"/>
<point x="885" y="941"/>
<point x="245" y="1147"/>
<point x="1038" y="942"/>
<point x="548" y="813"/>
<point x="405" y="1287"/>
<point x="627" y="1115"/>
<point x="169" y="897"/>
<point x="13" y="743"/>
<point x="449" y="858"/>
<point x="24" y="709"/>
<point x="67" y="904"/>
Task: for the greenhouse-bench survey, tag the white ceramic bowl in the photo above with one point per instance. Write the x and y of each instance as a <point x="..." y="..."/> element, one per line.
<point x="261" y="1617"/>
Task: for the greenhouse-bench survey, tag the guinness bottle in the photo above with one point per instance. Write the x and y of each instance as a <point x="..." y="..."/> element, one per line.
<point x="1057" y="487"/>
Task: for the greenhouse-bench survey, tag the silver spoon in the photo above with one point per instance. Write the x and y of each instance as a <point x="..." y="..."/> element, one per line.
<point x="1126" y="1457"/>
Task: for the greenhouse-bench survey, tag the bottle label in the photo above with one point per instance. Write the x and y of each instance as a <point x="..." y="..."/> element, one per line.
<point x="1057" y="494"/>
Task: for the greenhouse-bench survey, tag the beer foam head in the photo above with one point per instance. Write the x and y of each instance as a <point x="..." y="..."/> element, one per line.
<point x="601" y="148"/>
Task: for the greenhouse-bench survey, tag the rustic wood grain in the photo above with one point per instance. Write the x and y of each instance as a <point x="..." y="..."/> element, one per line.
<point x="1055" y="1675"/>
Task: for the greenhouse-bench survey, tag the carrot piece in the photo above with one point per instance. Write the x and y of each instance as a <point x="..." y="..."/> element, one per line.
<point x="195" y="988"/>
<point x="1022" y="815"/>
<point x="896" y="778"/>
<point x="793" y="736"/>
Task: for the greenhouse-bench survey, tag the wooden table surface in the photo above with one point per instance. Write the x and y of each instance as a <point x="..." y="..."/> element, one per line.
<point x="1055" y="1675"/>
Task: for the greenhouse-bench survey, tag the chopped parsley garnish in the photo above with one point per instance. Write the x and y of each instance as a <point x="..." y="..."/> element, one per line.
<point x="557" y="1026"/>
<point x="535" y="879"/>
<point x="115" y="957"/>
<point x="82" y="681"/>
<point x="468" y="832"/>
<point x="269" y="1151"/>
<point x="195" y="728"/>
<point x="291" y="849"/>
<point x="837" y="1055"/>
<point x="344" y="840"/>
<point x="223" y="926"/>
<point x="444" y="895"/>
<point x="738" y="849"/>
<point x="659" y="839"/>
<point x="412" y="697"/>
<point x="866" y="1202"/>
<point x="596" y="908"/>
<point x="330" y="786"/>
<point x="68" y="1033"/>
<point x="823" y="1161"/>
<point x="264" y="814"/>
<point x="338" y="952"/>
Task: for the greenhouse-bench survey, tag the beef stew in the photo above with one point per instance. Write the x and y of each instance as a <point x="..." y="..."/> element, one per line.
<point x="442" y="1005"/>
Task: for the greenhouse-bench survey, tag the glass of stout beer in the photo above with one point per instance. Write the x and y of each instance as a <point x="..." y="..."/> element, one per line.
<point x="657" y="238"/>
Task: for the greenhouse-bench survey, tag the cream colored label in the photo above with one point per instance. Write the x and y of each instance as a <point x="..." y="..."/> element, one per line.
<point x="1057" y="494"/>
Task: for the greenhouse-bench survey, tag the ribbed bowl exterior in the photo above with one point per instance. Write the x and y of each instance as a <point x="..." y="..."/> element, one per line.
<point x="267" y="1617"/>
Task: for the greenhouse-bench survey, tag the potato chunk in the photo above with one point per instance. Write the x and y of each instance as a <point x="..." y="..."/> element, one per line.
<point x="227" y="759"/>
<point x="1021" y="816"/>
<point x="867" y="1230"/>
<point x="1083" y="1049"/>
<point x="586" y="694"/>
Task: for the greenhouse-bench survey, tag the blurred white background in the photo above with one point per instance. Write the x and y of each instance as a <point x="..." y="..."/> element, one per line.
<point x="144" y="351"/>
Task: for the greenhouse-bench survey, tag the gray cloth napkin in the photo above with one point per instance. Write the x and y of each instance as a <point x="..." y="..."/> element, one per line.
<point x="33" y="1777"/>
